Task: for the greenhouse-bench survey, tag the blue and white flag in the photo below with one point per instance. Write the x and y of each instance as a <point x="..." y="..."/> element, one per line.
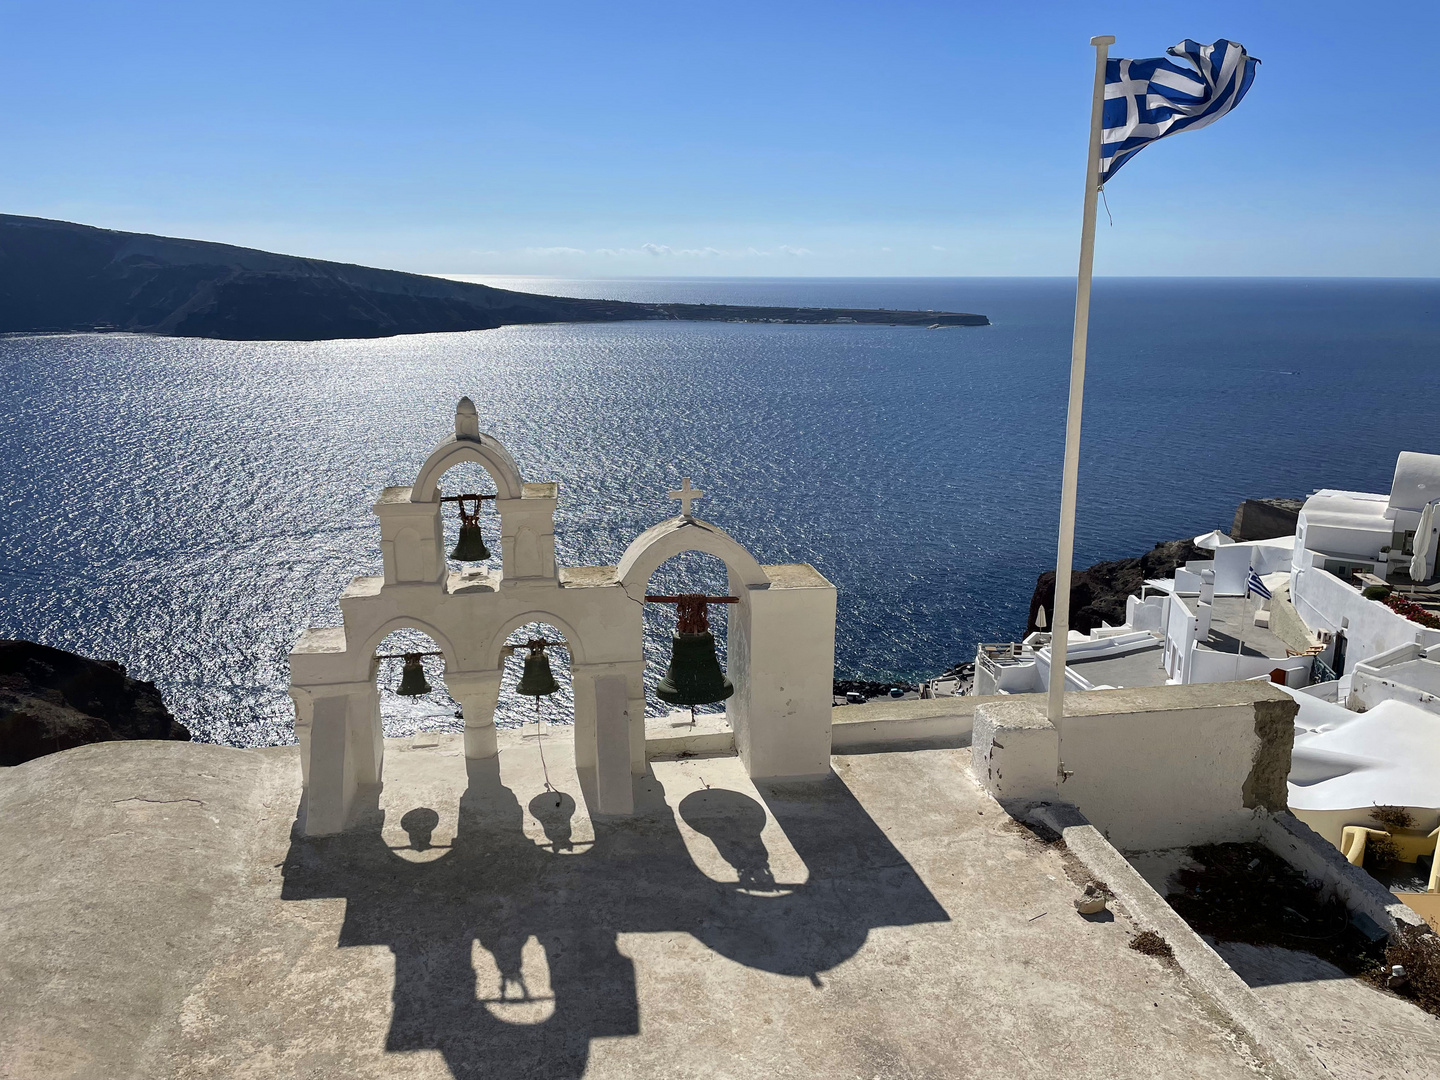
<point x="1253" y="584"/>
<point x="1147" y="100"/>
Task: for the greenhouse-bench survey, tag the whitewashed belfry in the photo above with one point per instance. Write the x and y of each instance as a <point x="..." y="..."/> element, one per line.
<point x="781" y="647"/>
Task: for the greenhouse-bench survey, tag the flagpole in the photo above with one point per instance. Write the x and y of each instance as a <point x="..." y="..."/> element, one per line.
<point x="1060" y="626"/>
<point x="1240" y="635"/>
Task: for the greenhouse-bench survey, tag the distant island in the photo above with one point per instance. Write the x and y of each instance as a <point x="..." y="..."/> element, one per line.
<point x="58" y="277"/>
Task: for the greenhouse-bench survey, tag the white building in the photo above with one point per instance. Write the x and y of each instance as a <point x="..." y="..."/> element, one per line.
<point x="1390" y="539"/>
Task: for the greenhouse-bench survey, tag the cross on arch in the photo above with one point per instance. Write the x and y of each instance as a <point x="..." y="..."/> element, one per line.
<point x="686" y="495"/>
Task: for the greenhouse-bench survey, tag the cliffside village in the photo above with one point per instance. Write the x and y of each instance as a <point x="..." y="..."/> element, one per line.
<point x="1342" y="614"/>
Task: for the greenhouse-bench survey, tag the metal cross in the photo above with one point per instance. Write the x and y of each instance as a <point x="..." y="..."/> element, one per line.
<point x="686" y="494"/>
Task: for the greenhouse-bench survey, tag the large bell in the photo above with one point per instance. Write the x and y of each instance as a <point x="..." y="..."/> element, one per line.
<point x="412" y="679"/>
<point x="470" y="547"/>
<point x="694" y="676"/>
<point x="537" y="680"/>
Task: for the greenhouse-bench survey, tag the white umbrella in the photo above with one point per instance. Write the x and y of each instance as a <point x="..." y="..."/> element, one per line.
<point x="1212" y="540"/>
<point x="1423" y="534"/>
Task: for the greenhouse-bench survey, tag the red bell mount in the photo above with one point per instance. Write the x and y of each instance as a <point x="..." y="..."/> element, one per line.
<point x="404" y="655"/>
<point x="469" y="514"/>
<point x="692" y="609"/>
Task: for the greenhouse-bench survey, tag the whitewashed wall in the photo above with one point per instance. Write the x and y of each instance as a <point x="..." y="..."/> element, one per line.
<point x="1325" y="602"/>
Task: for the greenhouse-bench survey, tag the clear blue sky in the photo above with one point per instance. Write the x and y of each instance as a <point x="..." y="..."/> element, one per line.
<point x="615" y="139"/>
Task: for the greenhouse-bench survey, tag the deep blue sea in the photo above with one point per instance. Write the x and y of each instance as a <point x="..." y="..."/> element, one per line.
<point x="187" y="507"/>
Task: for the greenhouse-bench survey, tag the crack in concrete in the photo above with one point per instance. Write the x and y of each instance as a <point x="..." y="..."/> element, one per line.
<point x="162" y="802"/>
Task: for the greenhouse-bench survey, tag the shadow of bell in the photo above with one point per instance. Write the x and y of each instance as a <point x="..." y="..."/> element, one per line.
<point x="733" y="822"/>
<point x="420" y="825"/>
<point x="554" y="810"/>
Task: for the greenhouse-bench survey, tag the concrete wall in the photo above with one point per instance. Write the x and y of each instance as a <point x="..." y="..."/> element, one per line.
<point x="1151" y="767"/>
<point x="1401" y="674"/>
<point x="1207" y="665"/>
<point x="1233" y="562"/>
<point x="1304" y="849"/>
<point x="783" y="667"/>
<point x="1181" y="630"/>
<point x="1148" y="614"/>
<point x="904" y="725"/>
<point x="1286" y="624"/>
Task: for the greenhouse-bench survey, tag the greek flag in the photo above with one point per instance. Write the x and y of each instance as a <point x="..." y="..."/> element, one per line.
<point x="1255" y="585"/>
<point x="1146" y="100"/>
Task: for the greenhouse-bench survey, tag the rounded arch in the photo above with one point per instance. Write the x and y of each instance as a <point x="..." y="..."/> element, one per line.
<point x="485" y="451"/>
<point x="668" y="539"/>
<point x="491" y="657"/>
<point x="403" y="622"/>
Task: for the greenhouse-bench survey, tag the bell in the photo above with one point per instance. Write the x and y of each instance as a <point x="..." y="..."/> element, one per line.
<point x="412" y="679"/>
<point x="537" y="680"/>
<point x="471" y="545"/>
<point x="694" y="676"/>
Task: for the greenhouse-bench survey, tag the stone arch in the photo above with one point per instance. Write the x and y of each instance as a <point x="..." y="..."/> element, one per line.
<point x="491" y="657"/>
<point x="668" y="539"/>
<point x="363" y="659"/>
<point x="467" y="444"/>
<point x="484" y="451"/>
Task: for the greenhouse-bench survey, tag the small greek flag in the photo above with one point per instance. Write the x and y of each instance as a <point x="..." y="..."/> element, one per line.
<point x="1146" y="100"/>
<point x="1255" y="585"/>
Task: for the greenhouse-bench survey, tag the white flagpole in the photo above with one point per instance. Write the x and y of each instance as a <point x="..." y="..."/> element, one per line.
<point x="1240" y="634"/>
<point x="1060" y="626"/>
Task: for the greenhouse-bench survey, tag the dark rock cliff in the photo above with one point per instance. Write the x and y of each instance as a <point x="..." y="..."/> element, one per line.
<point x="52" y="700"/>
<point x="1098" y="593"/>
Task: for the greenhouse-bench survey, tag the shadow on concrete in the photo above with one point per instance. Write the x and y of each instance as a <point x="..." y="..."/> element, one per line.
<point x="500" y="889"/>
<point x="1273" y="965"/>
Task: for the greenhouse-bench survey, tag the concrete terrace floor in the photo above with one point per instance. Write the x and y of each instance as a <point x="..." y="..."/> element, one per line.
<point x="1232" y="626"/>
<point x="157" y="919"/>
<point x="1143" y="667"/>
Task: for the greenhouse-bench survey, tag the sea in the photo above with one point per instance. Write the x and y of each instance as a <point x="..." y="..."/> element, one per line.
<point x="188" y="507"/>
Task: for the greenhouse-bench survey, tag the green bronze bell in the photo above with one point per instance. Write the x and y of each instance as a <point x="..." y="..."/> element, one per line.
<point x="694" y="676"/>
<point x="537" y="680"/>
<point x="470" y="547"/>
<point x="412" y="679"/>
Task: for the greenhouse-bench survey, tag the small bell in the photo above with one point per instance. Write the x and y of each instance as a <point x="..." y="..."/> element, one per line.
<point x="412" y="678"/>
<point x="537" y="680"/>
<point x="694" y="676"/>
<point x="470" y="547"/>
